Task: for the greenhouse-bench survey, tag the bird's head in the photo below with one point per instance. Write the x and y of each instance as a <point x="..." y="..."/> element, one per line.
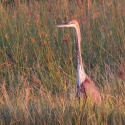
<point x="72" y="23"/>
<point x="75" y="24"/>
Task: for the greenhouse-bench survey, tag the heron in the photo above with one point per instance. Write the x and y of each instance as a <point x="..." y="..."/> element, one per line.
<point x="85" y="86"/>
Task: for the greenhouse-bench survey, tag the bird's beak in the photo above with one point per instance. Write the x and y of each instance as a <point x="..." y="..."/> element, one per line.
<point x="63" y="25"/>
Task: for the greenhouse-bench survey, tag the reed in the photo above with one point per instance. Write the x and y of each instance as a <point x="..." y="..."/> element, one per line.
<point x="38" y="67"/>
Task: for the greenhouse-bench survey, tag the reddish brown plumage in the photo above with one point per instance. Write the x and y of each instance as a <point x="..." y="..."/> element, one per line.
<point x="89" y="90"/>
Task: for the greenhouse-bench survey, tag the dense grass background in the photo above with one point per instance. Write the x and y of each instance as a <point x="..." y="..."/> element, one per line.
<point x="38" y="62"/>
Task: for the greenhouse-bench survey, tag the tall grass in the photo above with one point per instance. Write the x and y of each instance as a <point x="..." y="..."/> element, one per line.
<point x="38" y="67"/>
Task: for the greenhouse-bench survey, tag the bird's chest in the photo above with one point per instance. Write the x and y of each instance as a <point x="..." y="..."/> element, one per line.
<point x="80" y="75"/>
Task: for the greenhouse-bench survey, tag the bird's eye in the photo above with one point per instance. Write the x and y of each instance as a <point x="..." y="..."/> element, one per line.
<point x="70" y="22"/>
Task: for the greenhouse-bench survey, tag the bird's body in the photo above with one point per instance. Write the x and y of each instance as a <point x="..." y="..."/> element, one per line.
<point x="84" y="85"/>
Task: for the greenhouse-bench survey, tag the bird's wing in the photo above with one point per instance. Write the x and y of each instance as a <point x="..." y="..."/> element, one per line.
<point x="92" y="90"/>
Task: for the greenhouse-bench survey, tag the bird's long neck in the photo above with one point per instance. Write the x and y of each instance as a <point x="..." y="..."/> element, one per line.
<point x="78" y="47"/>
<point x="81" y="75"/>
<point x="78" y="53"/>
